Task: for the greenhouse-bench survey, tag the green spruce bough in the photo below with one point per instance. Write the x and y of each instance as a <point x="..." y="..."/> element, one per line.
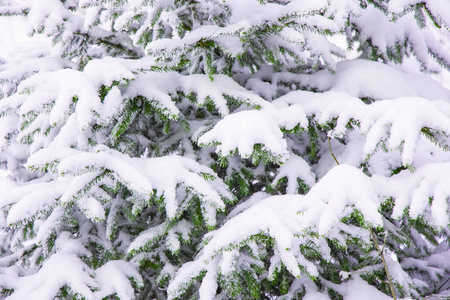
<point x="187" y="149"/>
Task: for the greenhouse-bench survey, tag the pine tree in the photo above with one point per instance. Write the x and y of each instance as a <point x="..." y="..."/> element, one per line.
<point x="226" y="150"/>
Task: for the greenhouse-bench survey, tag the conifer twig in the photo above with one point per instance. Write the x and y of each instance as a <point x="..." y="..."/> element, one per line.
<point x="439" y="288"/>
<point x="380" y="252"/>
<point x="359" y="272"/>
<point x="435" y="296"/>
<point x="331" y="151"/>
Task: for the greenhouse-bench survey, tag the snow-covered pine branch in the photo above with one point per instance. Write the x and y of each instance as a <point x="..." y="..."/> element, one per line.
<point x="187" y="149"/>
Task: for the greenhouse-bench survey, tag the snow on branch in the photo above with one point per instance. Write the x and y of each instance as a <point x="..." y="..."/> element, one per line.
<point x="287" y="220"/>
<point x="423" y="193"/>
<point x="141" y="175"/>
<point x="65" y="269"/>
<point x="243" y="131"/>
<point x="398" y="123"/>
<point x="163" y="86"/>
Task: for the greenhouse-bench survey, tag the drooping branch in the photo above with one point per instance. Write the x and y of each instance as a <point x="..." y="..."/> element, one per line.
<point x="380" y="251"/>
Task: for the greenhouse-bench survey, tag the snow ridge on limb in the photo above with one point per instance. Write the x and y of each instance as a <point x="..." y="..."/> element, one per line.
<point x="66" y="107"/>
<point x="225" y="30"/>
<point x="164" y="87"/>
<point x="84" y="175"/>
<point x="140" y="175"/>
<point x="114" y="278"/>
<point x="75" y="27"/>
<point x="14" y="72"/>
<point x="244" y="131"/>
<point x="65" y="102"/>
<point x="295" y="168"/>
<point x="380" y="81"/>
<point x="413" y="192"/>
<point x="287" y="222"/>
<point x="65" y="269"/>
<point x="403" y="28"/>
<point x="397" y="123"/>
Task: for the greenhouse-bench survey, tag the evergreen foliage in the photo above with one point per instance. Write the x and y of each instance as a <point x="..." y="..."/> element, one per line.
<point x="207" y="149"/>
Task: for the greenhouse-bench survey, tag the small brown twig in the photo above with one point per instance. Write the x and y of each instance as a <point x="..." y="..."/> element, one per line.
<point x="331" y="151"/>
<point x="380" y="252"/>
